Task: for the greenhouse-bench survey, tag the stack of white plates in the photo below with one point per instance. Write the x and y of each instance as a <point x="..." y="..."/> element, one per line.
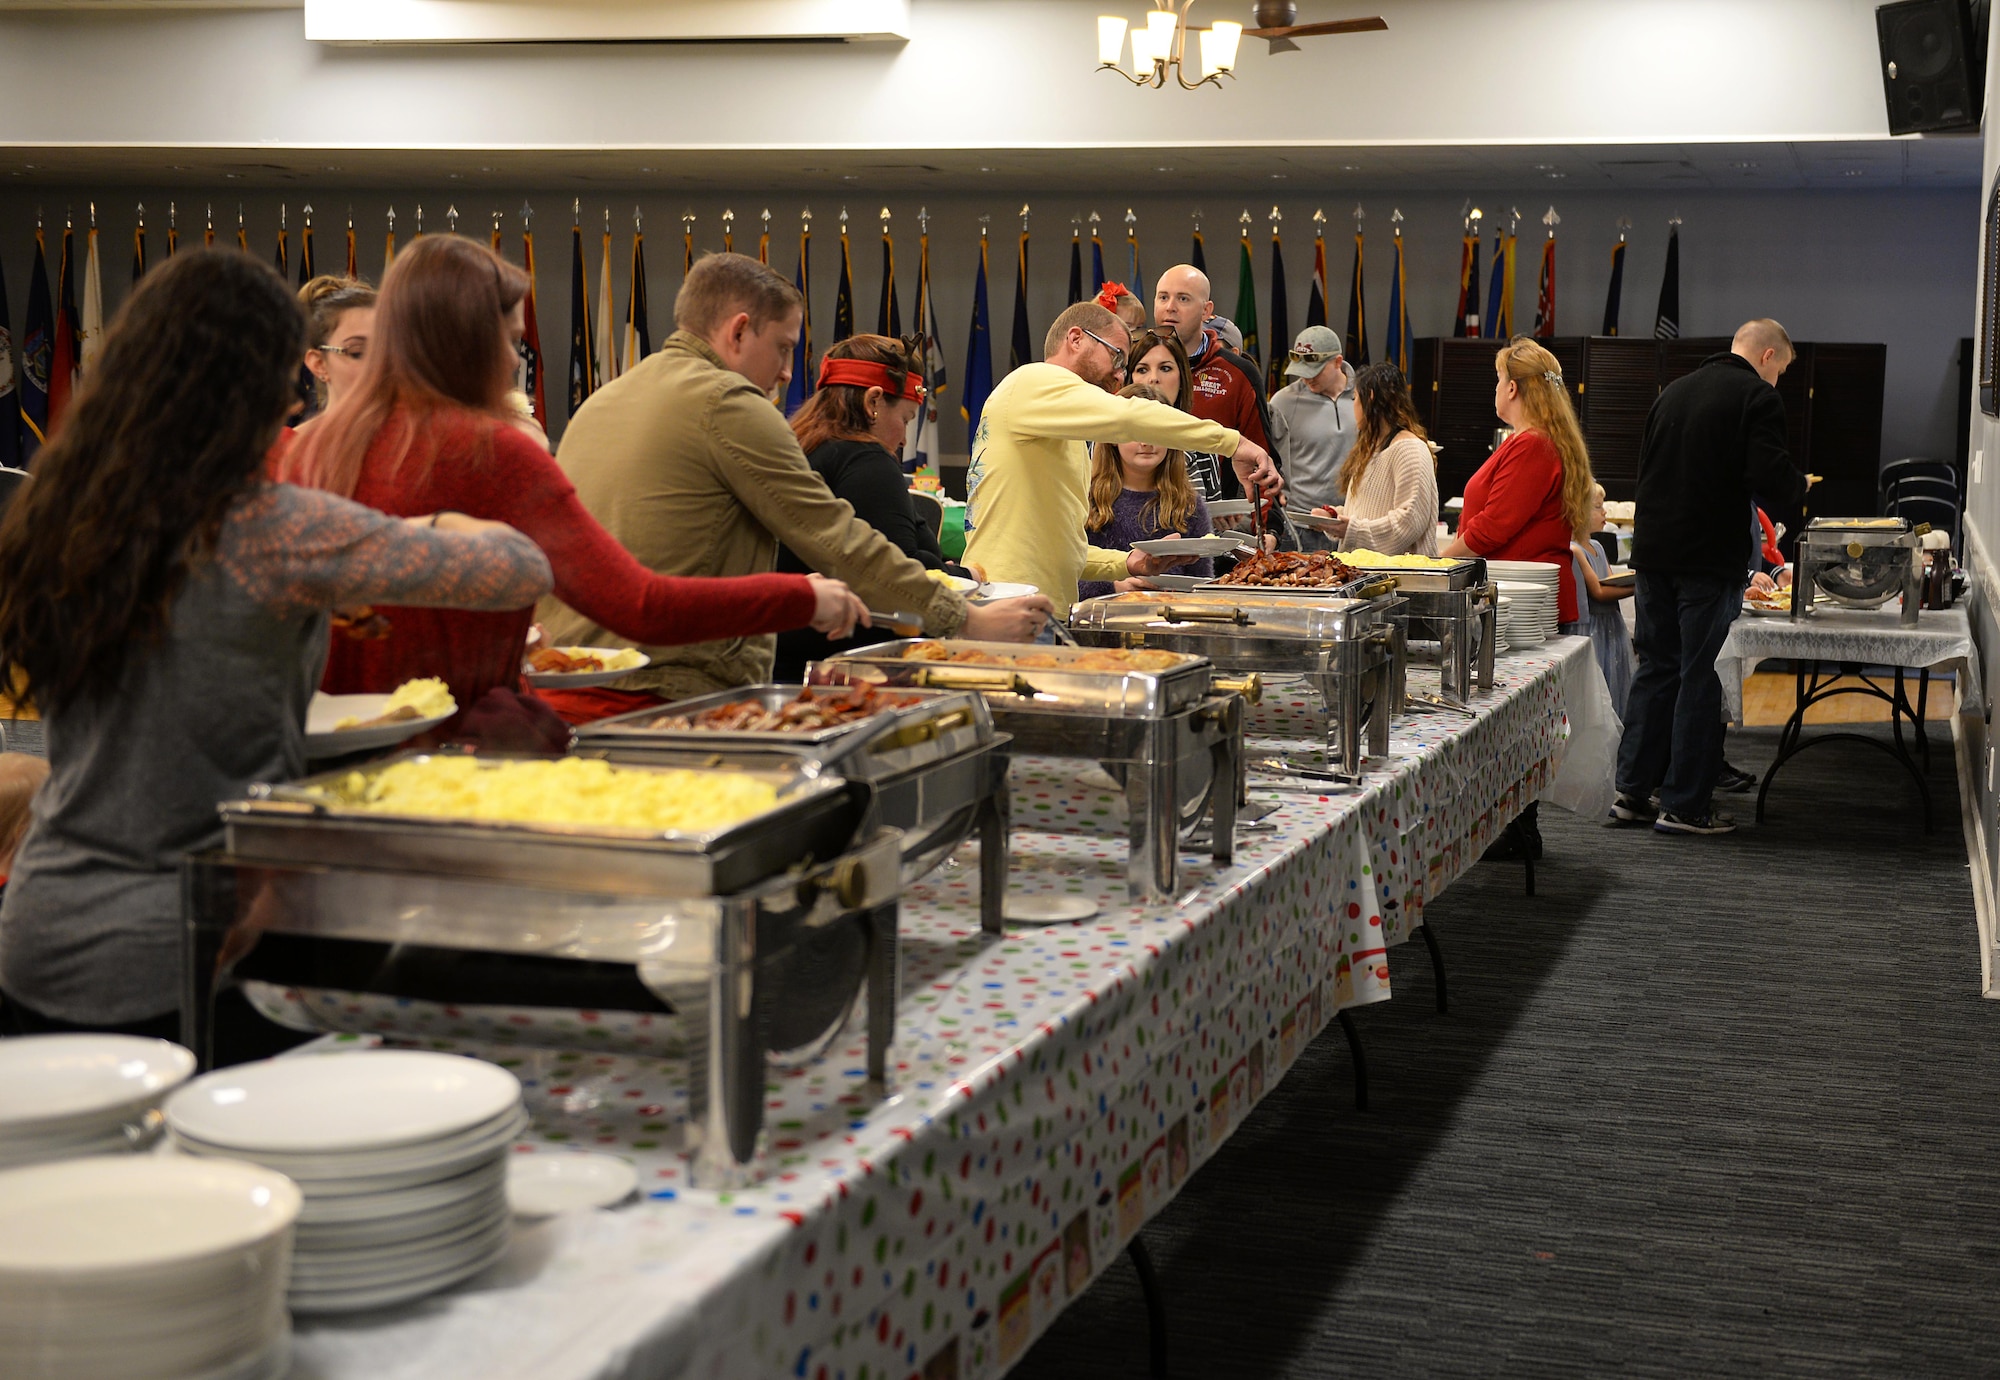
<point x="1535" y="588"/>
<point x="1502" y="610"/>
<point x="401" y="1155"/>
<point x="145" y="1267"/>
<point x="62" y="1096"/>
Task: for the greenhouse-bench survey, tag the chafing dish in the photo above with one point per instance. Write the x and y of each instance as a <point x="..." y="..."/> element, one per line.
<point x="1860" y="562"/>
<point x="1172" y="737"/>
<point x="934" y="764"/>
<point x="1453" y="607"/>
<point x="1348" y="648"/>
<point x="759" y="938"/>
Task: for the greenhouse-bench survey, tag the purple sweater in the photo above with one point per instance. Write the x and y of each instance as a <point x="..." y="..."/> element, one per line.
<point x="1129" y="524"/>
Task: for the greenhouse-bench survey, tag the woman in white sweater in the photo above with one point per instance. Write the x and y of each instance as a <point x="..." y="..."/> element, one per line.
<point x="1390" y="474"/>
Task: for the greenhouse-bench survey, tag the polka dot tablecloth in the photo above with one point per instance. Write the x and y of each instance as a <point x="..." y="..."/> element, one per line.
<point x="1052" y="1090"/>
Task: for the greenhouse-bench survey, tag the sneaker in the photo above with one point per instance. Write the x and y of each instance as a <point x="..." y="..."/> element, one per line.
<point x="1626" y="811"/>
<point x="1735" y="782"/>
<point x="1710" y="823"/>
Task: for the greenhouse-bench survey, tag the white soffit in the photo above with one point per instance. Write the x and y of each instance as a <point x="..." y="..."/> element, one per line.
<point x="606" y="21"/>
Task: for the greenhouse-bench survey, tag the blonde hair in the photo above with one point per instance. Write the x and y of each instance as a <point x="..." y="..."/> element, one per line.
<point x="1171" y="507"/>
<point x="1545" y="405"/>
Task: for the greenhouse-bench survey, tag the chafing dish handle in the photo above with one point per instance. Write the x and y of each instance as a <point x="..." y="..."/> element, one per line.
<point x="1005" y="681"/>
<point x="1169" y="613"/>
<point x="1250" y="687"/>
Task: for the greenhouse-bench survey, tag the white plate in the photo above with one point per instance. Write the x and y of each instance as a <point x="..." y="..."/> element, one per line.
<point x="1229" y="507"/>
<point x="1003" y="589"/>
<point x="582" y="680"/>
<point x="1179" y="583"/>
<point x="352" y="1300"/>
<point x="136" y="1212"/>
<point x="437" y="1195"/>
<point x="324" y="740"/>
<point x="957" y="583"/>
<point x="1767" y="610"/>
<point x="544" y="1185"/>
<point x="1048" y="908"/>
<point x="1299" y="517"/>
<point x="348" y="1173"/>
<point x="58" y="1086"/>
<point x="1189" y="546"/>
<point x="352" y="1100"/>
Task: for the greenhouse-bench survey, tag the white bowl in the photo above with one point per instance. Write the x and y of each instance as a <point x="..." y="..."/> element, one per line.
<point x="353" y="1100"/>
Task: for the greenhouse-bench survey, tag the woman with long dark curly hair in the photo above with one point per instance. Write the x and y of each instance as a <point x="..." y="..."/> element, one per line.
<point x="166" y="610"/>
<point x="428" y="428"/>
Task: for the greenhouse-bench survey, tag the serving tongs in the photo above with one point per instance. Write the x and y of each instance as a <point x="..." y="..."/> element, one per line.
<point x="1422" y="701"/>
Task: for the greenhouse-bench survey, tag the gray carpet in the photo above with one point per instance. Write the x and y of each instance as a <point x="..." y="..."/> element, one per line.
<point x="1702" y="1107"/>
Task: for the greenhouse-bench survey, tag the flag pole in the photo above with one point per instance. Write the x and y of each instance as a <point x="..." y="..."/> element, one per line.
<point x="450" y="218"/>
<point x="687" y="242"/>
<point x="763" y="239"/>
<point x="728" y="231"/>
<point x="1545" y="298"/>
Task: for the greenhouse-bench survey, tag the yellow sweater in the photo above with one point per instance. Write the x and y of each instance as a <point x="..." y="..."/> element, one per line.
<point x="1031" y="476"/>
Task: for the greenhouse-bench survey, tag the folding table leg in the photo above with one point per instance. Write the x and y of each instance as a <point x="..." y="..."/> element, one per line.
<point x="1156" y="1305"/>
<point x="1360" y="1059"/>
<point x="1437" y="959"/>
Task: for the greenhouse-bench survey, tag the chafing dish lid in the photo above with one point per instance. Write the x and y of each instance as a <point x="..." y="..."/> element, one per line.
<point x="1232" y="612"/>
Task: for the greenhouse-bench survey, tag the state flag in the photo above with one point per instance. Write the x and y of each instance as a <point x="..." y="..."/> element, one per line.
<point x="604" y="352"/>
<point x="978" y="357"/>
<point x="638" y="325"/>
<point x="582" y="368"/>
<point x="1316" y="298"/>
<point x="1246" y="300"/>
<point x="37" y="358"/>
<point x="843" y="297"/>
<point x="63" y="357"/>
<point x="1281" y="319"/>
<point x="1667" y="320"/>
<point x="10" y="402"/>
<point x="1021" y="344"/>
<point x="888" y="312"/>
<point x="801" y="386"/>
<point x="531" y="373"/>
<point x="1397" y="349"/>
<point x="1356" y="343"/>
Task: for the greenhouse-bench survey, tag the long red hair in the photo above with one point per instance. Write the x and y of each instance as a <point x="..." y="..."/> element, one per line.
<point x="440" y="338"/>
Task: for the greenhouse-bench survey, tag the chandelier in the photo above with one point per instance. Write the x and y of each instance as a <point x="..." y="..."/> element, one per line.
<point x="1159" y="46"/>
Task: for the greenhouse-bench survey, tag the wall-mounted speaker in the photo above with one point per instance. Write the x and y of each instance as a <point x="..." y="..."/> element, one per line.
<point x="1933" y="65"/>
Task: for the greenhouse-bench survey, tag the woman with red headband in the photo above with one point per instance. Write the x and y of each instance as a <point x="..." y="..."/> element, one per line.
<point x="427" y="429"/>
<point x="852" y="429"/>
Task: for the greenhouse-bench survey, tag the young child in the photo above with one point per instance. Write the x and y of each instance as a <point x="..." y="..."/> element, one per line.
<point x="1603" y="620"/>
<point x="1139" y="492"/>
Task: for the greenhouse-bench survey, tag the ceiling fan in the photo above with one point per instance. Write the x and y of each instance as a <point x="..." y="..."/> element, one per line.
<point x="1277" y="20"/>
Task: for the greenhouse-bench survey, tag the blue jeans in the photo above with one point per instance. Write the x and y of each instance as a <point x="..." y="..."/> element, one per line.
<point x="1673" y="716"/>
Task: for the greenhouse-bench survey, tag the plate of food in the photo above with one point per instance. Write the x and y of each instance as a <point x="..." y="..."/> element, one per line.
<point x="577" y="668"/>
<point x="1319" y="522"/>
<point x="953" y="582"/>
<point x="1189" y="546"/>
<point x="1619" y="575"/>
<point x="339" y="724"/>
<point x="1775" y="603"/>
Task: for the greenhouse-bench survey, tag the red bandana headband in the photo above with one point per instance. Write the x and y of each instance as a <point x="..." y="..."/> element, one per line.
<point x="1108" y="297"/>
<point x="864" y="373"/>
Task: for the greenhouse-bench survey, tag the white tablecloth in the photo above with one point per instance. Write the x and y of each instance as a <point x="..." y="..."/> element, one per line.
<point x="1869" y="637"/>
<point x="1054" y="1089"/>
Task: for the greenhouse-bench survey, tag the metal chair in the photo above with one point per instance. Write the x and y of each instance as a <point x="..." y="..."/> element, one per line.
<point x="928" y="510"/>
<point x="1914" y="467"/>
<point x="1942" y="514"/>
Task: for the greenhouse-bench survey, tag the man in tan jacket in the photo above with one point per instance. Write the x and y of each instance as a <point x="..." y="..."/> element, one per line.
<point x="684" y="460"/>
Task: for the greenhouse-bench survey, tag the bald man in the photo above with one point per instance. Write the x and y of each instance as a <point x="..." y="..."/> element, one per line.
<point x="1715" y="441"/>
<point x="1226" y="384"/>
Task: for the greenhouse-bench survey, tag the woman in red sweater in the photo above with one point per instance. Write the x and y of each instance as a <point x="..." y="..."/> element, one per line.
<point x="1531" y="497"/>
<point x="427" y="429"/>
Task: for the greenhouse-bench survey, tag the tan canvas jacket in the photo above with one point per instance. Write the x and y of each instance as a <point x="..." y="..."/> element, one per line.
<point x="694" y="470"/>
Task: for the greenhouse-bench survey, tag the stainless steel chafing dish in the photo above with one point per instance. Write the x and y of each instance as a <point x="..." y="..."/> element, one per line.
<point x="1453" y="609"/>
<point x="1860" y="562"/>
<point x="935" y="768"/>
<point x="1346" y="647"/>
<point x="759" y="937"/>
<point x="1172" y="737"/>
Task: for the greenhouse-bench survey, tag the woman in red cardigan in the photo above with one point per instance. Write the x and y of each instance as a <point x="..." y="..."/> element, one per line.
<point x="1531" y="497"/>
<point x="427" y="429"/>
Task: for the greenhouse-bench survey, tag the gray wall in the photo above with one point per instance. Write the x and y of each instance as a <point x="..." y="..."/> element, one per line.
<point x="1891" y="266"/>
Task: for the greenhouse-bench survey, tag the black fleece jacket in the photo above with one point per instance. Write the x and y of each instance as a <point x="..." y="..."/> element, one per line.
<point x="1714" y="441"/>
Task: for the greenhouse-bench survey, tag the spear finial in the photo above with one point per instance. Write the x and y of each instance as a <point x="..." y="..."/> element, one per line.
<point x="527" y="216"/>
<point x="392" y="220"/>
<point x="282" y="221"/>
<point x="1197" y="220"/>
<point x="1623" y="223"/>
<point x="142" y="215"/>
<point x="93" y="215"/>
<point x="1552" y="220"/>
<point x="1396" y="220"/>
<point x="1024" y="217"/>
<point x="308" y="210"/>
<point x="420" y="218"/>
<point x="924" y="219"/>
<point x="983" y="221"/>
<point x="639" y="221"/>
<point x="806" y="220"/>
<point x="451" y="219"/>
<point x="1131" y="216"/>
<point x="766" y="217"/>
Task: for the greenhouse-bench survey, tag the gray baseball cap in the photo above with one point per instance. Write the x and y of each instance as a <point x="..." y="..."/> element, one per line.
<point x="1310" y="352"/>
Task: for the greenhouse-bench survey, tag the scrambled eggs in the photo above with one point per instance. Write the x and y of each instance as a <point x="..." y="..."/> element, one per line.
<point x="1366" y="557"/>
<point x="568" y="790"/>
<point x="428" y="697"/>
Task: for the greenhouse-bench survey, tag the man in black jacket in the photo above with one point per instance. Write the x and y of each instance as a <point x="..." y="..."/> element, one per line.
<point x="1714" y="442"/>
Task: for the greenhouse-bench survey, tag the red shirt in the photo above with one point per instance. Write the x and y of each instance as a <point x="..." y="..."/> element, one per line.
<point x="487" y="469"/>
<point x="1514" y="512"/>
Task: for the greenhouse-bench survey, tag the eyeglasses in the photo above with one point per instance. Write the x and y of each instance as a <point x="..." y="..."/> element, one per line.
<point x="353" y="353"/>
<point x="1117" y="355"/>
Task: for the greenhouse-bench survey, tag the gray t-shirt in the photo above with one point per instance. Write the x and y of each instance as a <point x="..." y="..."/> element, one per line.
<point x="1312" y="435"/>
<point x="90" y="930"/>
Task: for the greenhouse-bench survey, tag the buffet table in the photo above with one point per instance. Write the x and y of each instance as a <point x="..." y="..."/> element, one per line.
<point x="1052" y="1090"/>
<point x="1833" y="643"/>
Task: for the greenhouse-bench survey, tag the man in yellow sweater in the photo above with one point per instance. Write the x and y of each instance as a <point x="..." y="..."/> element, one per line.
<point x="1030" y="476"/>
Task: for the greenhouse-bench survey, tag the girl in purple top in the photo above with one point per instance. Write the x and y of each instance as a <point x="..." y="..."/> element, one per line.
<point x="1139" y="492"/>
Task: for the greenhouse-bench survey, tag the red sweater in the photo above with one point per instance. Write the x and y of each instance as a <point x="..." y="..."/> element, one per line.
<point x="1513" y="511"/>
<point x="465" y="463"/>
